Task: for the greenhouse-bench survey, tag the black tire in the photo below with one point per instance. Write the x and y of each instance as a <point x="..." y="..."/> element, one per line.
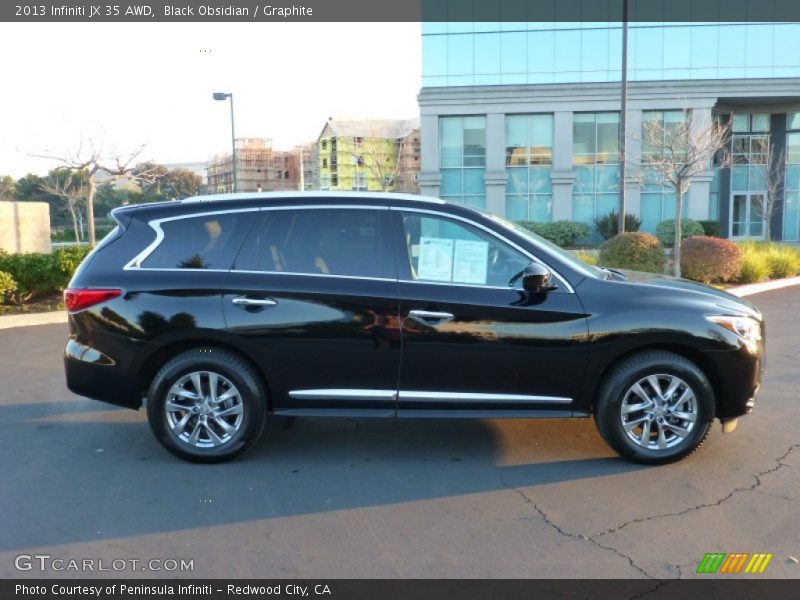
<point x="615" y="388"/>
<point x="251" y="397"/>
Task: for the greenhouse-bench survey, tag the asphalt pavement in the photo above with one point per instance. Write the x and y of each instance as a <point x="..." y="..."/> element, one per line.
<point x="388" y="498"/>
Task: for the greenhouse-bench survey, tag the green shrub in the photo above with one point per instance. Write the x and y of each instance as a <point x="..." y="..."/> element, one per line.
<point x="665" y="231"/>
<point x="711" y="228"/>
<point x="709" y="259"/>
<point x="561" y="233"/>
<point x="783" y="261"/>
<point x="66" y="260"/>
<point x="608" y="225"/>
<point x="633" y="250"/>
<point x="7" y="286"/>
<point x="37" y="274"/>
<point x="755" y="267"/>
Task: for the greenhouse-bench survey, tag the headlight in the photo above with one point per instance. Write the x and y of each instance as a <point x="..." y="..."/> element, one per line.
<point x="747" y="328"/>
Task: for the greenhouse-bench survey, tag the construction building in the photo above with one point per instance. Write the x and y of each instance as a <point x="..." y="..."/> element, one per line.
<point x="258" y="168"/>
<point x="368" y="154"/>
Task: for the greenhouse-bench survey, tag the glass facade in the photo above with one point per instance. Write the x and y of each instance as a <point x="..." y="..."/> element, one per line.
<point x="493" y="53"/>
<point x="749" y="172"/>
<point x="595" y="159"/>
<point x="529" y="156"/>
<point x="791" y="209"/>
<point x="462" y="155"/>
<point x="658" y="201"/>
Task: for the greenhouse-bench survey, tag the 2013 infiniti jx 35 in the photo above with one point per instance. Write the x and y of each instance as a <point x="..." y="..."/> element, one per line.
<point x="218" y="311"/>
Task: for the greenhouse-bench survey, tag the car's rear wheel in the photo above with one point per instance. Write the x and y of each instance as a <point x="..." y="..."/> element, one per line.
<point x="655" y="407"/>
<point x="206" y="405"/>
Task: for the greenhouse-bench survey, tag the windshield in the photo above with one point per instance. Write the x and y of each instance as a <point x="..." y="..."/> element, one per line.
<point x="564" y="255"/>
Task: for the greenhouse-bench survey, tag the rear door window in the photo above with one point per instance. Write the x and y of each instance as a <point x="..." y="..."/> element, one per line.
<point x="343" y="242"/>
<point x="200" y="242"/>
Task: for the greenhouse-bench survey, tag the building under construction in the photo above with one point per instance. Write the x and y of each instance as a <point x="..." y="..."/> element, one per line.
<point x="258" y="168"/>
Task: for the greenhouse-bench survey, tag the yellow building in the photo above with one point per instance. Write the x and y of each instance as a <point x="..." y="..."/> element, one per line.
<point x="362" y="155"/>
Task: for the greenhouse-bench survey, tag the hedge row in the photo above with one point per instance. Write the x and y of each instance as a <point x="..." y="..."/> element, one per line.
<point x="31" y="275"/>
<point x="561" y="233"/>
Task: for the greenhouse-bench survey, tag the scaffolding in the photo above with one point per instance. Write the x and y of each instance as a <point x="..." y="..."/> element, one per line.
<point x="258" y="168"/>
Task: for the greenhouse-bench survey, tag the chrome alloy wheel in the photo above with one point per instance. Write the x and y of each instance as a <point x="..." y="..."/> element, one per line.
<point x="204" y="409"/>
<point x="659" y="411"/>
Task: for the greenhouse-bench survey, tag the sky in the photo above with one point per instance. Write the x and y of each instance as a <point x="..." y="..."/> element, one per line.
<point x="126" y="84"/>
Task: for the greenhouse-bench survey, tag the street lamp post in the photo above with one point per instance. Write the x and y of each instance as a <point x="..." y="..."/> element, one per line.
<point x="223" y="96"/>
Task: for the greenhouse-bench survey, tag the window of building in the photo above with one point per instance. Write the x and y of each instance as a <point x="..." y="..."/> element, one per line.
<point x="791" y="208"/>
<point x="448" y="251"/>
<point x="324" y="163"/>
<point x="324" y="144"/>
<point x="595" y="155"/>
<point x="529" y="156"/>
<point x="744" y="123"/>
<point x="334" y="180"/>
<point x="360" y="181"/>
<point x="462" y="152"/>
<point x="203" y="242"/>
<point x="317" y="242"/>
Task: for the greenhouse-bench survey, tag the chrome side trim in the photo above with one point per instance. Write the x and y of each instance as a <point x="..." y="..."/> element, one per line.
<point x="343" y="394"/>
<point x="274" y="273"/>
<point x="469" y="396"/>
<point x="491" y="232"/>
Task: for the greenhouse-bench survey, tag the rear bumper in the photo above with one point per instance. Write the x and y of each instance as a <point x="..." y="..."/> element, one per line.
<point x="99" y="376"/>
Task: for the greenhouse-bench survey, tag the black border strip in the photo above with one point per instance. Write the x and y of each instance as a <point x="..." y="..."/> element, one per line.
<point x="151" y="11"/>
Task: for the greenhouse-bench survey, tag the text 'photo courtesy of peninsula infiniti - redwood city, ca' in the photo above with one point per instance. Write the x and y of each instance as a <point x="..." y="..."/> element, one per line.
<point x="217" y="311"/>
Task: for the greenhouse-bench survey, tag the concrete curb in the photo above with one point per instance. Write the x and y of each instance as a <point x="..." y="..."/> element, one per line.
<point x="60" y="316"/>
<point x="46" y="318"/>
<point x="757" y="288"/>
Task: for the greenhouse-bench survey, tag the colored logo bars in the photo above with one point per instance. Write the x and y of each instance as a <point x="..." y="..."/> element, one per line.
<point x="738" y="562"/>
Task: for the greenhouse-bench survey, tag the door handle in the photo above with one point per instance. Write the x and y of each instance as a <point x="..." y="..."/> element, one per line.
<point x="428" y="317"/>
<point x="253" y="302"/>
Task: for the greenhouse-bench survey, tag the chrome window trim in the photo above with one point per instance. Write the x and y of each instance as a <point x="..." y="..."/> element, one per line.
<point x="491" y="232"/>
<point x="365" y="277"/>
<point x="155" y="225"/>
<point x="479" y="397"/>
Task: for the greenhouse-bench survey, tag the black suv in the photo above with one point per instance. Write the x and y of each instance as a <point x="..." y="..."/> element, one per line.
<point x="221" y="310"/>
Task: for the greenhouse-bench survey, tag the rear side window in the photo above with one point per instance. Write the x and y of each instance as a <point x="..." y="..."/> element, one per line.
<point x="317" y="242"/>
<point x="201" y="242"/>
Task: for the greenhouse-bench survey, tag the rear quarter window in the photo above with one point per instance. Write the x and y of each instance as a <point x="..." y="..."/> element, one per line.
<point x="200" y="242"/>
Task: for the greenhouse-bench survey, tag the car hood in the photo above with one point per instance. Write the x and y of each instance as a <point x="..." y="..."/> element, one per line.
<point x="648" y="283"/>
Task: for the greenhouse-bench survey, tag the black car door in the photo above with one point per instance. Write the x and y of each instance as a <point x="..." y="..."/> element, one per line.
<point x="474" y="345"/>
<point x="313" y="295"/>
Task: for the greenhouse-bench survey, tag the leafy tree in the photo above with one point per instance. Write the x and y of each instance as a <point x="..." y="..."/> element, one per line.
<point x="7" y="185"/>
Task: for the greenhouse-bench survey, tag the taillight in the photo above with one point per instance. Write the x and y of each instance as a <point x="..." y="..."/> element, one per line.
<point x="76" y="300"/>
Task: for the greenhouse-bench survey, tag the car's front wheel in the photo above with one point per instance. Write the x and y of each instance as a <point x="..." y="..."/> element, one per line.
<point x="655" y="407"/>
<point x="206" y="405"/>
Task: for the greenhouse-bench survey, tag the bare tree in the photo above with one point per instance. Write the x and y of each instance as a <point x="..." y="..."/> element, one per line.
<point x="91" y="161"/>
<point x="72" y="187"/>
<point x="672" y="156"/>
<point x="772" y="163"/>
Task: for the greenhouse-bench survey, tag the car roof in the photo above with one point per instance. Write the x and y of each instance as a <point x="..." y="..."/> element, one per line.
<point x="246" y="199"/>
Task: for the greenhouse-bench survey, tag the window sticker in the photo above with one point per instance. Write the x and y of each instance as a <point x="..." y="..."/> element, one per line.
<point x="435" y="259"/>
<point x="470" y="262"/>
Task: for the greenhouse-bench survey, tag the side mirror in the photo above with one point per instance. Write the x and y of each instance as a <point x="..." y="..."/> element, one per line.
<point x="536" y="278"/>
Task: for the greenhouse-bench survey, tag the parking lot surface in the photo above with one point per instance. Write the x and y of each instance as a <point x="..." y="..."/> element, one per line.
<point x="391" y="498"/>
